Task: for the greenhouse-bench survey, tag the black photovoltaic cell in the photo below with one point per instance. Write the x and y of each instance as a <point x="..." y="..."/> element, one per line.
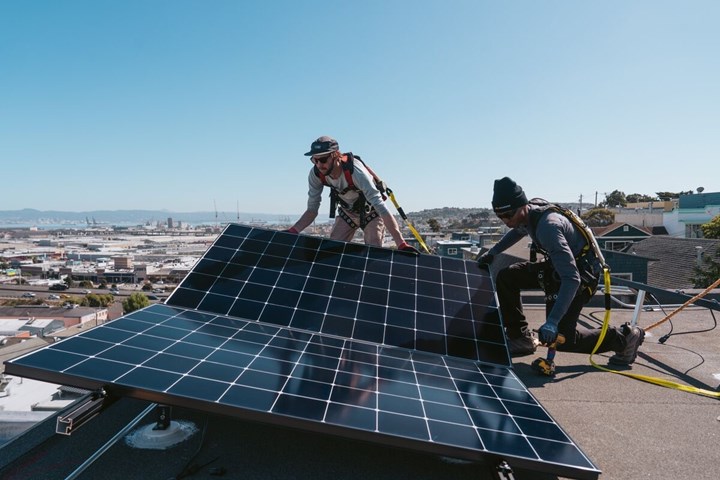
<point x="333" y="337"/>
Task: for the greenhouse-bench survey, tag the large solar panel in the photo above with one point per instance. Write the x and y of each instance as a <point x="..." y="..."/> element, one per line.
<point x="333" y="337"/>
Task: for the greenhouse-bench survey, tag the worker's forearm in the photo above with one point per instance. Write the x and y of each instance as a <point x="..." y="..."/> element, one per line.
<point x="392" y="227"/>
<point x="306" y="219"/>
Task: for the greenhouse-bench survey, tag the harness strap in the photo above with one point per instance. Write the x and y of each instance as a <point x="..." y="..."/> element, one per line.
<point x="589" y="253"/>
<point x="347" y="218"/>
<point x="365" y="217"/>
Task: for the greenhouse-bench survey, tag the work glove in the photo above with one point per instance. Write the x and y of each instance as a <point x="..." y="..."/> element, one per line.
<point x="406" y="247"/>
<point x="485" y="260"/>
<point x="548" y="333"/>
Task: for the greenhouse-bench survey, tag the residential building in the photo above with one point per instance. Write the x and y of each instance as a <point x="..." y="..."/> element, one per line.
<point x="691" y="213"/>
<point x="619" y="236"/>
<point x="670" y="260"/>
<point x="452" y="248"/>
<point x="67" y="316"/>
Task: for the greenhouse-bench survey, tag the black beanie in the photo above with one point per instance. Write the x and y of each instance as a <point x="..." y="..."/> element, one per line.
<point x="507" y="195"/>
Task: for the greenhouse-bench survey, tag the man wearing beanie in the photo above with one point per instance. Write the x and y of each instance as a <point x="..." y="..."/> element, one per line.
<point x="569" y="276"/>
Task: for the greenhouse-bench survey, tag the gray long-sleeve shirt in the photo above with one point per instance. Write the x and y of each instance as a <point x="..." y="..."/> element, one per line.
<point x="562" y="241"/>
<point x="363" y="181"/>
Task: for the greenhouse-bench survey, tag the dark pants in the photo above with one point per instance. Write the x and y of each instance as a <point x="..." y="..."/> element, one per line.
<point x="524" y="276"/>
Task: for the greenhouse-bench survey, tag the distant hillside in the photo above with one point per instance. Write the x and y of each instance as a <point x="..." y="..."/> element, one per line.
<point x="446" y="212"/>
<point x="455" y="212"/>
<point x="29" y="216"/>
<point x="133" y="217"/>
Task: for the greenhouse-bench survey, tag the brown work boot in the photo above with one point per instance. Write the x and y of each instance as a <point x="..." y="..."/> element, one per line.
<point x="520" y="346"/>
<point x="634" y="337"/>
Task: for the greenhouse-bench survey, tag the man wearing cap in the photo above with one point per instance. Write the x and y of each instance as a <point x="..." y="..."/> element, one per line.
<point x="359" y="205"/>
<point x="568" y="286"/>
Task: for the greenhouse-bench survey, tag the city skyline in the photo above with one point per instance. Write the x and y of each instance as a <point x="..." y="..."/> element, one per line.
<point x="192" y="106"/>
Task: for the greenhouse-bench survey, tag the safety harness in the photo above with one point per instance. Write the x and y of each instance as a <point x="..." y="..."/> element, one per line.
<point x="585" y="260"/>
<point x="360" y="206"/>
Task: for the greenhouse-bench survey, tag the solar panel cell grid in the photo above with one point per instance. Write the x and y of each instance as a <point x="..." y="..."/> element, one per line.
<point x="340" y="284"/>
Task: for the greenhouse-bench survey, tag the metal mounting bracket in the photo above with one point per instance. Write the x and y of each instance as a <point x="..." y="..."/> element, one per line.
<point x="84" y="410"/>
<point x="503" y="471"/>
<point x="163" y="417"/>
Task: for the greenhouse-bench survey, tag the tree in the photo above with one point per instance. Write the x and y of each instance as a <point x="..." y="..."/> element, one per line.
<point x="665" y="196"/>
<point x="615" y="199"/>
<point x="135" y="301"/>
<point x="433" y="224"/>
<point x="707" y="273"/>
<point x="86" y="284"/>
<point x="712" y="228"/>
<point x="94" y="300"/>
<point x="147" y="286"/>
<point x="14" y="302"/>
<point x="598" y="217"/>
<point x="638" y="197"/>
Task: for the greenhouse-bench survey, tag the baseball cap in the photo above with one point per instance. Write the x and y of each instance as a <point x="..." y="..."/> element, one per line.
<point x="322" y="145"/>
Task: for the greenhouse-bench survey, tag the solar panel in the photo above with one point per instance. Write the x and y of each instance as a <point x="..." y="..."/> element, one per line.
<point x="341" y="338"/>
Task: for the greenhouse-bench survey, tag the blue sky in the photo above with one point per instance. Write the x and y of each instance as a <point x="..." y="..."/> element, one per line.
<point x="187" y="105"/>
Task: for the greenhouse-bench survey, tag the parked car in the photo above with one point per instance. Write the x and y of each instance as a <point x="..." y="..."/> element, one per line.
<point x="115" y="291"/>
<point x="54" y="297"/>
<point x="87" y="292"/>
<point x="28" y="295"/>
<point x="58" y="286"/>
<point x="158" y="290"/>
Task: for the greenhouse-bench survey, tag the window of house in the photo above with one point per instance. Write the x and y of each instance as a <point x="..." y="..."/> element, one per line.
<point x="693" y="230"/>
<point x="452" y="251"/>
<point x="616" y="245"/>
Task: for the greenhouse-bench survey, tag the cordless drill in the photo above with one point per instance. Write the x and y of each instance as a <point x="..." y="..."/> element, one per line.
<point x="546" y="365"/>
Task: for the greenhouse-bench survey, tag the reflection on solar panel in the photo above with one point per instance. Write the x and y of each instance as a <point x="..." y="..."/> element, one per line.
<point x="332" y="337"/>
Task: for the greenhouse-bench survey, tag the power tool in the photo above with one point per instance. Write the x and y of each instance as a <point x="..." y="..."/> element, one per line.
<point x="546" y="365"/>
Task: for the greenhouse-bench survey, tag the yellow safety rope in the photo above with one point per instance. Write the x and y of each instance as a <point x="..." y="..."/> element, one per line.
<point x="404" y="217"/>
<point x="645" y="378"/>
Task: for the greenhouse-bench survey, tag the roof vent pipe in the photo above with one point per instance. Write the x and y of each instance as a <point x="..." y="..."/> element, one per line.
<point x="699" y="252"/>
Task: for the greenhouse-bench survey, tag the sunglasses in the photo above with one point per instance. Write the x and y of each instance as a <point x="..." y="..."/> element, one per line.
<point x="322" y="160"/>
<point x="508" y="214"/>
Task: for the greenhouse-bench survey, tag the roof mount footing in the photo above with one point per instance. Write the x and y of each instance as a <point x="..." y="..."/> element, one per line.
<point x="164" y="433"/>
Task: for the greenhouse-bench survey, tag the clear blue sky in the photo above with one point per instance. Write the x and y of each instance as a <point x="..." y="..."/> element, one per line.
<point x="183" y="105"/>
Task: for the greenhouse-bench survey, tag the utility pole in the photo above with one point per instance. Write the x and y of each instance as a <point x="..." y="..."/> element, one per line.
<point x="217" y="225"/>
